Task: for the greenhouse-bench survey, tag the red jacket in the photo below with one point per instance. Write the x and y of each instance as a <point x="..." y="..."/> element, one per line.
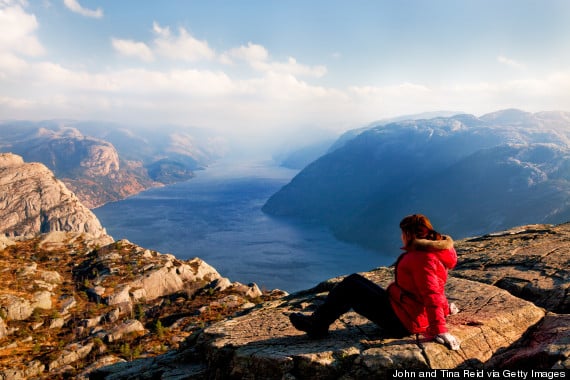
<point x="417" y="294"/>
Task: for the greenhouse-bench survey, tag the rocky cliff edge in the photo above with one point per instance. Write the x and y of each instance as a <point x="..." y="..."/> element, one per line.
<point x="511" y="288"/>
<point x="33" y="201"/>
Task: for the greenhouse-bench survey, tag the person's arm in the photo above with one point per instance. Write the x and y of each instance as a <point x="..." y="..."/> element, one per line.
<point x="431" y="288"/>
<point x="432" y="293"/>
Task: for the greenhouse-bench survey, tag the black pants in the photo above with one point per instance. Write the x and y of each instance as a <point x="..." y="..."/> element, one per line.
<point x="364" y="297"/>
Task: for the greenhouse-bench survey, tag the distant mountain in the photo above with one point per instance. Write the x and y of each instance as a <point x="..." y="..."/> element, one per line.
<point x="299" y="158"/>
<point x="470" y="175"/>
<point x="103" y="162"/>
<point x="349" y="135"/>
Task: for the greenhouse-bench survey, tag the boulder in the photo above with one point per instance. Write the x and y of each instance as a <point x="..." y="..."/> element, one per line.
<point x="67" y="304"/>
<point x="5" y="242"/>
<point x="15" y="308"/>
<point x="42" y="300"/>
<point x="70" y="354"/>
<point x="120" y="295"/>
<point x="102" y="362"/>
<point x="31" y="370"/>
<point x="128" y="327"/>
<point x="51" y="277"/>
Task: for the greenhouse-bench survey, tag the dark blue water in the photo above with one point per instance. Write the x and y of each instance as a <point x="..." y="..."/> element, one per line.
<point x="217" y="216"/>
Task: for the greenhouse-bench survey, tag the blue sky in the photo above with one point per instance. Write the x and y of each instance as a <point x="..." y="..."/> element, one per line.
<point x="267" y="68"/>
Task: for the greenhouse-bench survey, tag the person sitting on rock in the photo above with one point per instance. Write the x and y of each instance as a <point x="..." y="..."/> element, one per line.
<point x="414" y="303"/>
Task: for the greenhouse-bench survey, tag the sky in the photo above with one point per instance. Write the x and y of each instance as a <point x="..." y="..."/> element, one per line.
<point x="268" y="68"/>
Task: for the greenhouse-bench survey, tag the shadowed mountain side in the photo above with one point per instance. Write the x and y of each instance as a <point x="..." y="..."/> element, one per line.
<point x="469" y="175"/>
<point x="489" y="190"/>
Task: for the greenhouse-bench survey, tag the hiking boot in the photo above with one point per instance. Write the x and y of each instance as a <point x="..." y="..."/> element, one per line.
<point x="308" y="324"/>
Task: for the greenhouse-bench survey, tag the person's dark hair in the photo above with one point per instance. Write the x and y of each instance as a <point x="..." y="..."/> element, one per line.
<point x="418" y="226"/>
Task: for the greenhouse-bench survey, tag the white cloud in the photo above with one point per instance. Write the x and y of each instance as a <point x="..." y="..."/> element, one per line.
<point x="74" y="6"/>
<point x="510" y="62"/>
<point x="275" y="95"/>
<point x="258" y="58"/>
<point x="182" y="47"/>
<point x="291" y="66"/>
<point x="17" y="30"/>
<point x="133" y="49"/>
<point x="251" y="53"/>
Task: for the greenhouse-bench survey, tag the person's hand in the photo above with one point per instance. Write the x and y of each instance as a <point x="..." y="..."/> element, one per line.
<point x="453" y="309"/>
<point x="448" y="340"/>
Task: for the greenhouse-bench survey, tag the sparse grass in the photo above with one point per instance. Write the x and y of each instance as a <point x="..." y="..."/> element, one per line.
<point x="81" y="268"/>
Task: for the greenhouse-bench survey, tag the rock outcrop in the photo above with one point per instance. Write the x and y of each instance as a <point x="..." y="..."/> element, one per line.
<point x="531" y="262"/>
<point x="70" y="303"/>
<point x="497" y="327"/>
<point x="33" y="201"/>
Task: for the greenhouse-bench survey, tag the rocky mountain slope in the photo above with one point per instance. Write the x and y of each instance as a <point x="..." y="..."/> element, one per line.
<point x="106" y="162"/>
<point x="69" y="303"/>
<point x="72" y="299"/>
<point x="471" y="175"/>
<point x="33" y="201"/>
<point x="511" y="287"/>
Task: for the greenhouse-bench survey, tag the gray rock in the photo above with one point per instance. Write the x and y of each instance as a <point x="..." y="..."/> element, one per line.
<point x="67" y="304"/>
<point x="70" y="354"/>
<point x="36" y="202"/>
<point x="220" y="284"/>
<point x="531" y="262"/>
<point x="33" y="369"/>
<point x="127" y="327"/>
<point x="102" y="362"/>
<point x="57" y="323"/>
<point x="16" y="308"/>
<point x="5" y="242"/>
<point x="547" y="346"/>
<point x="51" y="277"/>
<point x="42" y="300"/>
<point x="120" y="295"/>
<point x="491" y="319"/>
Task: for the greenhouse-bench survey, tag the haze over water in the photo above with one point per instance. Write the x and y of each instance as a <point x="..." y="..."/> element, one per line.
<point x="217" y="216"/>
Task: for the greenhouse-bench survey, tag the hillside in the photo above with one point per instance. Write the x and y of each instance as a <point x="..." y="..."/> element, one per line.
<point x="72" y="299"/>
<point x="102" y="162"/>
<point x="470" y="175"/>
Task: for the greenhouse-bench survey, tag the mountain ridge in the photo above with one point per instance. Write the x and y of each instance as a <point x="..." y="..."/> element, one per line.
<point x="103" y="162"/>
<point x="361" y="189"/>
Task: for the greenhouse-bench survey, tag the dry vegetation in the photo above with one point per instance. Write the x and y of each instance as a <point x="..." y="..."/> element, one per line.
<point x="167" y="320"/>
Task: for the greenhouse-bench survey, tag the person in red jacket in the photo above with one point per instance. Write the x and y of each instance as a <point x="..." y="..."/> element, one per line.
<point x="414" y="303"/>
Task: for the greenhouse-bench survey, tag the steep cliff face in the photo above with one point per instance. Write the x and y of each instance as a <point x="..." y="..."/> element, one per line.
<point x="90" y="167"/>
<point x="33" y="201"/>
